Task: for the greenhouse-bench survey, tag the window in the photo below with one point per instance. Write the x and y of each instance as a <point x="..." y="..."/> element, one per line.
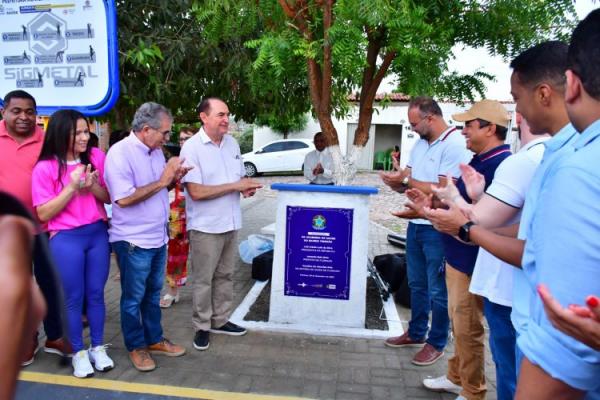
<point x="294" y="145"/>
<point x="273" y="147"/>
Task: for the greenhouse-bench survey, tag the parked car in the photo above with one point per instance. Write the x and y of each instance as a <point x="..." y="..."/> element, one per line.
<point x="280" y="155"/>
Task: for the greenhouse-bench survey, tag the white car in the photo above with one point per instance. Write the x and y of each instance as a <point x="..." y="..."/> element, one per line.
<point x="280" y="155"/>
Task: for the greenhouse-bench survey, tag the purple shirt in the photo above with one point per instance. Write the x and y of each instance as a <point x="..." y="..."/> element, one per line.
<point x="131" y="164"/>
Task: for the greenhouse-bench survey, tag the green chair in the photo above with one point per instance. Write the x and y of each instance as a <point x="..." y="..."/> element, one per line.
<point x="379" y="161"/>
<point x="388" y="164"/>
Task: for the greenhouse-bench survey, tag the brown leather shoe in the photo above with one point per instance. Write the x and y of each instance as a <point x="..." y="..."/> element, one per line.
<point x="403" y="341"/>
<point x="167" y="348"/>
<point x="59" y="346"/>
<point x="427" y="355"/>
<point x="141" y="360"/>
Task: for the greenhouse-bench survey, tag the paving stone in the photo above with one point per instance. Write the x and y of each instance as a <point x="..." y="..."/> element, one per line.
<point x="318" y="367"/>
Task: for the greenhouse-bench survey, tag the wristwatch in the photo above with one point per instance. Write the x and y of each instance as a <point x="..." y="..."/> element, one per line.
<point x="463" y="231"/>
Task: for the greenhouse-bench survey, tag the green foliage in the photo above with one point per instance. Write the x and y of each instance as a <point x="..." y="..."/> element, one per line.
<point x="252" y="55"/>
<point x="246" y="140"/>
<point x="421" y="34"/>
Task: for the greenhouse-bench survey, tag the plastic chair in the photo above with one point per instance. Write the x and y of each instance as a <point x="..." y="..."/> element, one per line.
<point x="379" y="160"/>
<point x="387" y="165"/>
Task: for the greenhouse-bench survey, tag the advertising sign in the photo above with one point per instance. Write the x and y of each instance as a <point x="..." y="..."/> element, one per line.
<point x="64" y="53"/>
<point x="318" y="252"/>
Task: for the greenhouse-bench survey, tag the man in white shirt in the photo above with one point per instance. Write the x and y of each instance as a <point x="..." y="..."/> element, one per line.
<point x="318" y="164"/>
<point x="213" y="218"/>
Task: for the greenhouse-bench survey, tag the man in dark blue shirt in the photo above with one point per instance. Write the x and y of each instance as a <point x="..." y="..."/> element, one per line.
<point x="486" y="125"/>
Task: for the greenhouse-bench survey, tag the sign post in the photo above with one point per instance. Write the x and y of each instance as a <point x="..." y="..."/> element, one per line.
<point x="64" y="54"/>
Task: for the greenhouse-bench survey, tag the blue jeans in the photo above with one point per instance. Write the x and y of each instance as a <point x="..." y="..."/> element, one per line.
<point x="427" y="282"/>
<point x="142" y="275"/>
<point x="502" y="345"/>
<point x="83" y="274"/>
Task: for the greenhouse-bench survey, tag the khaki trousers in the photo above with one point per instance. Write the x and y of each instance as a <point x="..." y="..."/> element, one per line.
<point x="466" y="367"/>
<point x="213" y="259"/>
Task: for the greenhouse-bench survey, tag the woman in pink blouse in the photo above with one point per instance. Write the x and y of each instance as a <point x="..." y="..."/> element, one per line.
<point x="69" y="194"/>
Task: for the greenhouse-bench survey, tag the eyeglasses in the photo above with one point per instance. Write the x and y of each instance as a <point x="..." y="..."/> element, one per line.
<point x="165" y="133"/>
<point x="417" y="123"/>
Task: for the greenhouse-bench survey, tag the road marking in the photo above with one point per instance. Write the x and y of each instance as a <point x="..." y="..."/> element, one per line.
<point x="160" y="390"/>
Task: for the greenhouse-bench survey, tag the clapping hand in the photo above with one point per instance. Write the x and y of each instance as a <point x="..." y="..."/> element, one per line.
<point x="474" y="182"/>
<point x="417" y="201"/>
<point x="446" y="220"/>
<point x="75" y="176"/>
<point x="394" y="179"/>
<point x="447" y="193"/>
<point x="580" y="322"/>
<point x="90" y="177"/>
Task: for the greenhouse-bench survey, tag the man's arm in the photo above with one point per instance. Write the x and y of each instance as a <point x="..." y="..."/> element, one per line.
<point x="145" y="192"/>
<point x="309" y="165"/>
<point x="536" y="384"/>
<point x="508" y="249"/>
<point x="207" y="192"/>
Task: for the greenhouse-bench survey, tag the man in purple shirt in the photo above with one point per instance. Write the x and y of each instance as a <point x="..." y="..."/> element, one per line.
<point x="138" y="180"/>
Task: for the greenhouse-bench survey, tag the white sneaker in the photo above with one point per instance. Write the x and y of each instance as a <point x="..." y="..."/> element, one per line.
<point x="441" y="384"/>
<point x="81" y="365"/>
<point x="102" y="362"/>
<point x="461" y="398"/>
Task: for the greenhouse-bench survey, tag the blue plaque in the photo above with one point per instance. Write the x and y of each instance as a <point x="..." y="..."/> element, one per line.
<point x="318" y="252"/>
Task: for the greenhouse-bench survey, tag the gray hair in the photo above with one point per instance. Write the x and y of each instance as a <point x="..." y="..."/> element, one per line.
<point x="150" y="114"/>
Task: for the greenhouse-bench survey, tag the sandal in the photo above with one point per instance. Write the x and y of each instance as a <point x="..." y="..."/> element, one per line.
<point x="168" y="300"/>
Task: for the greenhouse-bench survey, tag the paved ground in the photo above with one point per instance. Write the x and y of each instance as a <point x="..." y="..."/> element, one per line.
<point x="258" y="364"/>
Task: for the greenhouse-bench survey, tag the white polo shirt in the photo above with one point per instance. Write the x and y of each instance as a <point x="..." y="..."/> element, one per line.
<point x="493" y="278"/>
<point x="213" y="165"/>
<point x="430" y="161"/>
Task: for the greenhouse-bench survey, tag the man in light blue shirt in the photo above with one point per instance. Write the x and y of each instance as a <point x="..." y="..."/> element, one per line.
<point x="563" y="238"/>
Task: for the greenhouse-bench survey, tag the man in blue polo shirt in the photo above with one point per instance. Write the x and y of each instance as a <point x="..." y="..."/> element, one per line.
<point x="562" y="249"/>
<point x="486" y="125"/>
<point x="440" y="150"/>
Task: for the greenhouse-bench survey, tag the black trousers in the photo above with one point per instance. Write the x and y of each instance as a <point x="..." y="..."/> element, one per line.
<point x="50" y="287"/>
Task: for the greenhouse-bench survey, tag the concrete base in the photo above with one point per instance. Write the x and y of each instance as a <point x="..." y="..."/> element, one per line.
<point x="393" y="320"/>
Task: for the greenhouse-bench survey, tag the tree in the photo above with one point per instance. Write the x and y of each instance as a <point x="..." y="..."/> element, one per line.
<point x="167" y="57"/>
<point x="339" y="46"/>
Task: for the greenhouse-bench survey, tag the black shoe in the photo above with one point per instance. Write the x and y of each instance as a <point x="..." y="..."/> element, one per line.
<point x="230" y="329"/>
<point x="201" y="340"/>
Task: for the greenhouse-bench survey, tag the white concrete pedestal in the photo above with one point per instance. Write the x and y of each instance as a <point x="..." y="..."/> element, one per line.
<point x="320" y="265"/>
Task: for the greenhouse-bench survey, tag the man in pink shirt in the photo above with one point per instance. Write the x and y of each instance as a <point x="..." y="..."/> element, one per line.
<point x="20" y="144"/>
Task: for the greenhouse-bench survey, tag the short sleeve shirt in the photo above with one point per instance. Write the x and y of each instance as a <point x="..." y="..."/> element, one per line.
<point x="428" y="162"/>
<point x="131" y="164"/>
<point x="459" y="255"/>
<point x="213" y="165"/>
<point x="555" y="148"/>
<point x="493" y="278"/>
<point x="563" y="242"/>
<point x="16" y="164"/>
<point x="83" y="208"/>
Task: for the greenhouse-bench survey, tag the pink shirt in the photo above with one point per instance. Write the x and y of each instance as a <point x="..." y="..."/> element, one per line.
<point x="16" y="163"/>
<point x="83" y="209"/>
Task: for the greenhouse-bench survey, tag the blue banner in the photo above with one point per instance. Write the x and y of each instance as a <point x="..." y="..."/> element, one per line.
<point x="318" y="252"/>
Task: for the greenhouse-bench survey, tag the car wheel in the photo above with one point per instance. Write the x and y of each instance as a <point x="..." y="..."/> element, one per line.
<point x="250" y="169"/>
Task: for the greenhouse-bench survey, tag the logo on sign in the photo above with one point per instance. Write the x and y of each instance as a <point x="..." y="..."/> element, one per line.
<point x="319" y="222"/>
<point x="48" y="34"/>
